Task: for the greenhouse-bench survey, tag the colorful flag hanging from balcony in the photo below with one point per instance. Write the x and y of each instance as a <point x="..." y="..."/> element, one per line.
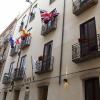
<point x="24" y="34"/>
<point x="48" y="16"/>
<point x="11" y="39"/>
<point x="18" y="41"/>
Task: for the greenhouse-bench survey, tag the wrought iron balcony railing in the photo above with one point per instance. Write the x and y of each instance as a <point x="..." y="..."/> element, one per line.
<point x="26" y="42"/>
<point x="2" y="59"/>
<point x="44" y="66"/>
<point x="18" y="74"/>
<point x="79" y="6"/>
<point x="50" y="26"/>
<point x="83" y="52"/>
<point x="6" y="78"/>
<point x="14" y="50"/>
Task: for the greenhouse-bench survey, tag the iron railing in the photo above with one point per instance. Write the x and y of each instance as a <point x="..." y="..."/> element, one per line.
<point x="2" y="58"/>
<point x="44" y="66"/>
<point x="18" y="74"/>
<point x="26" y="42"/>
<point x="78" y="53"/>
<point x="6" y="78"/>
<point x="14" y="50"/>
<point x="50" y="26"/>
<point x="80" y="6"/>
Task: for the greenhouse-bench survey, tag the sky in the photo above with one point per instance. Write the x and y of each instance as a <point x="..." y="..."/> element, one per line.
<point x="9" y="9"/>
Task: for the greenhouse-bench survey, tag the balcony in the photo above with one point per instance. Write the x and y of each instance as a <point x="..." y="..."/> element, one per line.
<point x="14" y="51"/>
<point x="44" y="66"/>
<point x="49" y="27"/>
<point x="6" y="78"/>
<point x="2" y="59"/>
<point x="79" y="6"/>
<point x="85" y="53"/>
<point x="26" y="42"/>
<point x="18" y="74"/>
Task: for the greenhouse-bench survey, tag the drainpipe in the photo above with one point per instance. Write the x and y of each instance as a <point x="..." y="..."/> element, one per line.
<point x="62" y="40"/>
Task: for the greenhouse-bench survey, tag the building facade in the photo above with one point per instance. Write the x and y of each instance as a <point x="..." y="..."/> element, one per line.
<point x="5" y="46"/>
<point x="57" y="43"/>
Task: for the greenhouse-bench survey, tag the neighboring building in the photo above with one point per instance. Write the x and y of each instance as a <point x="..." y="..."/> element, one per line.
<point x="52" y="49"/>
<point x="4" y="44"/>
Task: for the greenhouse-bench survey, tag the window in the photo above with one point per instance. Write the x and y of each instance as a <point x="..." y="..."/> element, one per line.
<point x="22" y="62"/>
<point x="11" y="68"/>
<point x="22" y="23"/>
<point x="26" y="95"/>
<point x="88" y="37"/>
<point x="5" y="95"/>
<point x="32" y="14"/>
<point x="47" y="54"/>
<point x="51" y="1"/>
<point x="92" y="89"/>
<point x="47" y="50"/>
<point x="16" y="94"/>
<point x="43" y="92"/>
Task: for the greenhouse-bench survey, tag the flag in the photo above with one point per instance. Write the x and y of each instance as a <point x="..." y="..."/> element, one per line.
<point x="47" y="16"/>
<point x="18" y="41"/>
<point x="11" y="39"/>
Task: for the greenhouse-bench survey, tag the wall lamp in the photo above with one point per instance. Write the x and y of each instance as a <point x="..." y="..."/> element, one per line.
<point x="66" y="82"/>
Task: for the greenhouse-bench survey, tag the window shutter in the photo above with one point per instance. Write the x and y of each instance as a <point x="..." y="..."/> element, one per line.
<point x="26" y="95"/>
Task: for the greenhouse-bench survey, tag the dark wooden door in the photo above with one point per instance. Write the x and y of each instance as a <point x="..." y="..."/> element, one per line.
<point x="88" y="37"/>
<point x="92" y="89"/>
<point x="47" y="55"/>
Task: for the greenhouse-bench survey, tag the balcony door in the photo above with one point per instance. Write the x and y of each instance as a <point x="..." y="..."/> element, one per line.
<point x="92" y="89"/>
<point x="11" y="69"/>
<point x="16" y="94"/>
<point x="43" y="92"/>
<point x="5" y="96"/>
<point x="47" y="55"/>
<point x="88" y="37"/>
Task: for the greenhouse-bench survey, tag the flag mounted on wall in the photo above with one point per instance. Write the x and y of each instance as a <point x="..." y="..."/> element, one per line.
<point x="48" y="16"/>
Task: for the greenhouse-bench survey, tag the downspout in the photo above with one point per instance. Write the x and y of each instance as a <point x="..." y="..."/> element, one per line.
<point x="62" y="40"/>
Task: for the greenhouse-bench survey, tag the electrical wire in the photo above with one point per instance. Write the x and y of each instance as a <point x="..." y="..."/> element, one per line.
<point x="77" y="72"/>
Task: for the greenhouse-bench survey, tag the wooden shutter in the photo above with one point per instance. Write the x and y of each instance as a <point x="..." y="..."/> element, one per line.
<point x="47" y="56"/>
<point x="92" y="89"/>
<point x="26" y="95"/>
<point x="43" y="92"/>
<point x="88" y="36"/>
<point x="5" y="95"/>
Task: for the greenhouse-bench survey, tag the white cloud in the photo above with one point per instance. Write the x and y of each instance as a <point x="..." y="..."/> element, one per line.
<point x="9" y="9"/>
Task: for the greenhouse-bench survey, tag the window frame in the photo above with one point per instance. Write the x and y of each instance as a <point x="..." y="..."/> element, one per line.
<point x="42" y="88"/>
<point x="23" y="60"/>
<point x="11" y="68"/>
<point x="22" y="22"/>
<point x="93" y="79"/>
<point x="31" y="17"/>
